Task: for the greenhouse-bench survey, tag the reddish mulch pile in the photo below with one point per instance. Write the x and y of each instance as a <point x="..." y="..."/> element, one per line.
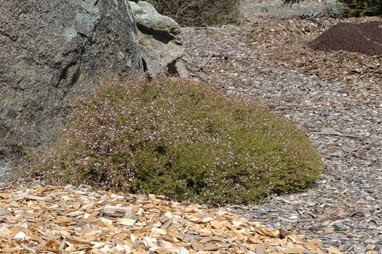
<point x="365" y="38"/>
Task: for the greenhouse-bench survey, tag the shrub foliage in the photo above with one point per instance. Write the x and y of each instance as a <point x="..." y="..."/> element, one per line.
<point x="178" y="139"/>
<point x="361" y="8"/>
<point x="199" y="12"/>
<point x="356" y="8"/>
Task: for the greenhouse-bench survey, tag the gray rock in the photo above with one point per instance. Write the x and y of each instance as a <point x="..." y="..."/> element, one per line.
<point x="160" y="41"/>
<point x="49" y="52"/>
<point x="159" y="56"/>
<point x="151" y="22"/>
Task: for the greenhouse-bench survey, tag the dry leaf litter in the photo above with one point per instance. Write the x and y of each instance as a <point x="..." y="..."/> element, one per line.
<point x="334" y="96"/>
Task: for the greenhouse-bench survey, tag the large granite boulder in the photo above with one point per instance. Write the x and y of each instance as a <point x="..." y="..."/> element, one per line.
<point x="49" y="52"/>
<point x="160" y="41"/>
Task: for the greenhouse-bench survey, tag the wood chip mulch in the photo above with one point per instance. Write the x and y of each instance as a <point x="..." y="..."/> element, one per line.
<point x="335" y="96"/>
<point x="336" y="45"/>
<point x="47" y="219"/>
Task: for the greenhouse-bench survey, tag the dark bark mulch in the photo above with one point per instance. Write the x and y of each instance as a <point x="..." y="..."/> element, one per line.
<point x="365" y="38"/>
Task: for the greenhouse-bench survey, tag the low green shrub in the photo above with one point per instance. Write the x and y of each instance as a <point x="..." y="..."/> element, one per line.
<point x="178" y="139"/>
<point x="336" y="10"/>
<point x="351" y="8"/>
<point x="292" y="2"/>
<point x="359" y="8"/>
<point x="330" y="10"/>
<point x="199" y="12"/>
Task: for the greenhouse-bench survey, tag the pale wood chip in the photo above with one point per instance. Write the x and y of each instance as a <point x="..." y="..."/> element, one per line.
<point x="135" y="224"/>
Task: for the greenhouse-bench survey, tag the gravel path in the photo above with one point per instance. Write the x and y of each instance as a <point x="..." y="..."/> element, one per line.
<point x="343" y="121"/>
